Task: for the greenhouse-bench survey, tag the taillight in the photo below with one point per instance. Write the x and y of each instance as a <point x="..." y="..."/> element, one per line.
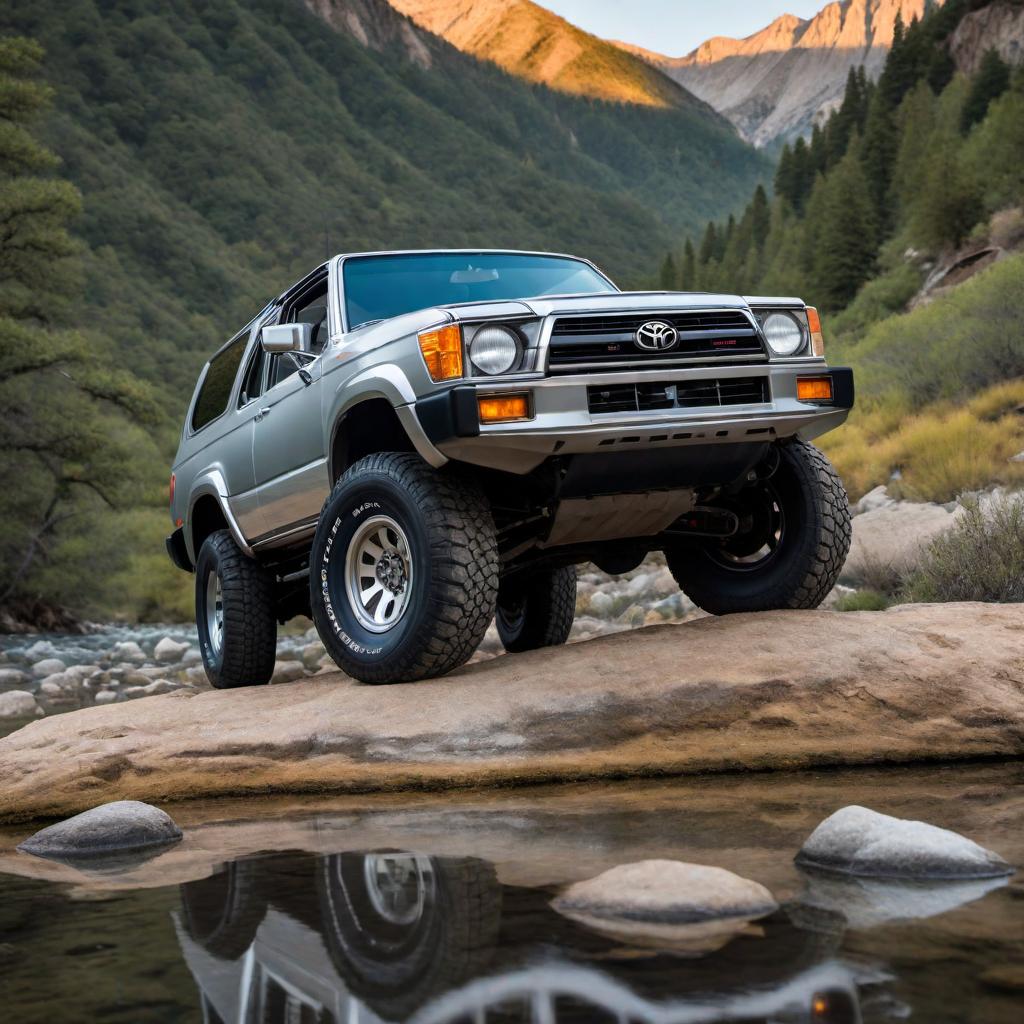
<point x="171" y="489"/>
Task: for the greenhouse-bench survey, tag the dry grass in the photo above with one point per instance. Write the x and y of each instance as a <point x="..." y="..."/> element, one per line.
<point x="936" y="454"/>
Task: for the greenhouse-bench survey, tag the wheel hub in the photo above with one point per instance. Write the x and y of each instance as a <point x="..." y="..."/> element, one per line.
<point x="391" y="572"/>
<point x="378" y="574"/>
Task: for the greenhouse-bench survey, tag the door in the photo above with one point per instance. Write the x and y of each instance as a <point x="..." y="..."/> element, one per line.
<point x="289" y="460"/>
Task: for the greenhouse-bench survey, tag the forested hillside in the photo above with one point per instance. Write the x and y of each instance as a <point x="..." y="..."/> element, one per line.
<point x="917" y="178"/>
<point x="221" y="150"/>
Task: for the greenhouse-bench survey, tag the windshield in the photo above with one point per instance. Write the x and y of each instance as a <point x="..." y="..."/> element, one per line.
<point x="380" y="287"/>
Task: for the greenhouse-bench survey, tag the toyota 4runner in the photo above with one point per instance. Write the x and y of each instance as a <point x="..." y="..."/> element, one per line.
<point x="406" y="445"/>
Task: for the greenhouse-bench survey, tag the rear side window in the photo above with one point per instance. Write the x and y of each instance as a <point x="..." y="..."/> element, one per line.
<point x="220" y="379"/>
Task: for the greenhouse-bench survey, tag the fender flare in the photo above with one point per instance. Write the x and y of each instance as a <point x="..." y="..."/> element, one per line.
<point x="212" y="484"/>
<point x="389" y="382"/>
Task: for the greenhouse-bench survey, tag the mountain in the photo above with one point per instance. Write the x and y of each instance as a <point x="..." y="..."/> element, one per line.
<point x="776" y="83"/>
<point x="223" y="149"/>
<point x="531" y="42"/>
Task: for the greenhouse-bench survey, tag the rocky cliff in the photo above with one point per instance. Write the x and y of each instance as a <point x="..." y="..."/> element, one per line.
<point x="535" y="44"/>
<point x="777" y="82"/>
<point x="998" y="26"/>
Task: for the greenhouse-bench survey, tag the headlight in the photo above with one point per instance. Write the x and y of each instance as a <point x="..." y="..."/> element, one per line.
<point x="784" y="335"/>
<point x="494" y="350"/>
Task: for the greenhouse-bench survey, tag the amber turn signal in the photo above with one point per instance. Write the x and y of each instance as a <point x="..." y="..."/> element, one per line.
<point x="814" y="326"/>
<point x="442" y="352"/>
<point x="506" y="407"/>
<point x="814" y="389"/>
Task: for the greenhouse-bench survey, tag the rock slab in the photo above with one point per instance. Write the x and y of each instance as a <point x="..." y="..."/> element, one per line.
<point x="777" y="690"/>
<point x="118" y="827"/>
<point x="859" y="841"/>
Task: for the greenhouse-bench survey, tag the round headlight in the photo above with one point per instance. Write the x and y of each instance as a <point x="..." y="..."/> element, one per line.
<point x="783" y="334"/>
<point x="494" y="350"/>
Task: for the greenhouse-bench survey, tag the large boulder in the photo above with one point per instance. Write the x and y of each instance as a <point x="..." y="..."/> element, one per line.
<point x="859" y="841"/>
<point x="18" y="704"/>
<point x="779" y="690"/>
<point x="118" y="827"/>
<point x="692" y="908"/>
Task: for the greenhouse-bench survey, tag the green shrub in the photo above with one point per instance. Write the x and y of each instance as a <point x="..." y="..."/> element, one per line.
<point x="979" y="559"/>
<point x="863" y="601"/>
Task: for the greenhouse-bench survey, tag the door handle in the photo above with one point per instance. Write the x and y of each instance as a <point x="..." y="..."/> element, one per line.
<point x="262" y="413"/>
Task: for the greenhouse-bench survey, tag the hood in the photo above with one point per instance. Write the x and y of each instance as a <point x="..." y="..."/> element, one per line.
<point x="547" y="305"/>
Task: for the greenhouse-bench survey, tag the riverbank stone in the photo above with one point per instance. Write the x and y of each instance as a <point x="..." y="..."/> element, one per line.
<point x="119" y="827"/>
<point x="18" y="704"/>
<point x="667" y="892"/>
<point x="689" y="909"/>
<point x="12" y="679"/>
<point x="168" y="651"/>
<point x="47" y="667"/>
<point x="861" y="842"/>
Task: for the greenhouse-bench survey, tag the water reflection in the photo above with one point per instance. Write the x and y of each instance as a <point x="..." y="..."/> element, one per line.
<point x="395" y="936"/>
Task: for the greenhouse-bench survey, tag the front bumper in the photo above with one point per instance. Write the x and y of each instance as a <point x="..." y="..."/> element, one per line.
<point x="563" y="425"/>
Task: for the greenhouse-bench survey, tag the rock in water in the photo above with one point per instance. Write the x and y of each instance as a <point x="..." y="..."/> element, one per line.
<point x="118" y="827"/>
<point x="168" y="651"/>
<point x="858" y="841"/>
<point x="18" y="704"/>
<point x="667" y="892"/>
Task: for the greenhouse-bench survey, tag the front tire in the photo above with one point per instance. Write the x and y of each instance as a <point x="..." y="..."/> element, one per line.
<point x="537" y="611"/>
<point x="793" y="540"/>
<point x="404" y="570"/>
<point x="234" y="615"/>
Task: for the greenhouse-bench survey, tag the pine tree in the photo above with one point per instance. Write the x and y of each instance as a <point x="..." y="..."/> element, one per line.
<point x="990" y="82"/>
<point x="948" y="204"/>
<point x="847" y="119"/>
<point x="805" y="170"/>
<point x="760" y="218"/>
<point x="709" y="244"/>
<point x="841" y="216"/>
<point x="668" y="278"/>
<point x="818" y="154"/>
<point x="688" y="272"/>
<point x="878" y="153"/>
<point x="57" y="444"/>
<point x="786" y="183"/>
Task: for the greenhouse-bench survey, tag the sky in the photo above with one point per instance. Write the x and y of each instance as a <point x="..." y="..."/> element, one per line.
<point x="675" y="27"/>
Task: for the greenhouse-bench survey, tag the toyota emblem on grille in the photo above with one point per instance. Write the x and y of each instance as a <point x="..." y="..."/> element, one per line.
<point x="656" y="336"/>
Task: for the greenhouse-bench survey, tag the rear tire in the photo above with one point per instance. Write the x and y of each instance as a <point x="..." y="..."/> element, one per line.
<point x="404" y="570"/>
<point x="234" y="615"/>
<point x="537" y="611"/>
<point x="794" y="539"/>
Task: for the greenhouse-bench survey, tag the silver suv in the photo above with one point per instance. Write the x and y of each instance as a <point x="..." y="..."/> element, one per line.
<point x="405" y="445"/>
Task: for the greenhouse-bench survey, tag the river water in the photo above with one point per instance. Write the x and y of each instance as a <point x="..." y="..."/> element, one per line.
<point x="429" y="908"/>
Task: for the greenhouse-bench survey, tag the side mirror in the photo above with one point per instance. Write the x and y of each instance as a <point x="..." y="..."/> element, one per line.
<point x="287" y="338"/>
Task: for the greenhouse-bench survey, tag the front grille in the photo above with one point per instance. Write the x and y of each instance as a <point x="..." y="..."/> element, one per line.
<point x="682" y="394"/>
<point x="608" y="343"/>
